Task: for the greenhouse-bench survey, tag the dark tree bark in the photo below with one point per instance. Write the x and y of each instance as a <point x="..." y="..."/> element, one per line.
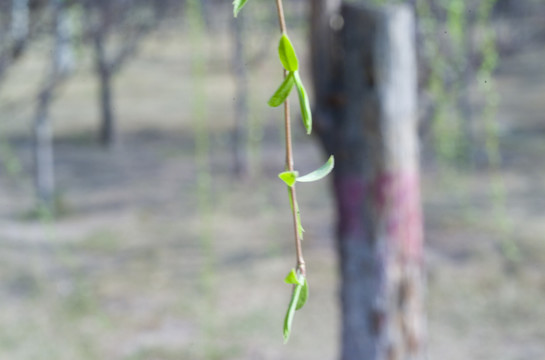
<point x="108" y="131"/>
<point x="107" y="134"/>
<point x="104" y="68"/>
<point x="365" y="86"/>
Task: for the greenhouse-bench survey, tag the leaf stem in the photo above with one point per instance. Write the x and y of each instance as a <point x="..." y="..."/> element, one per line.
<point x="289" y="156"/>
<point x="281" y="17"/>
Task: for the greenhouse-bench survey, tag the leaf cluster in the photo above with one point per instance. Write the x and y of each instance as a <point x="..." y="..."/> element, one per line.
<point x="289" y="60"/>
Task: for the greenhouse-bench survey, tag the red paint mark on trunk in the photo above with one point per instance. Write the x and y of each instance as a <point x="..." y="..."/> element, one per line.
<point x="395" y="201"/>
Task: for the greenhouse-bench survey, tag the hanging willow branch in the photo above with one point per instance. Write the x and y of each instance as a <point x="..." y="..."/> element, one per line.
<point x="288" y="57"/>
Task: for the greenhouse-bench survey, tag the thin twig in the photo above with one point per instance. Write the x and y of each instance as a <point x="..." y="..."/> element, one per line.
<point x="289" y="156"/>
<point x="281" y="17"/>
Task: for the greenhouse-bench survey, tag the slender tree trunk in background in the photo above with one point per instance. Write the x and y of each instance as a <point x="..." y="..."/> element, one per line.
<point x="108" y="60"/>
<point x="44" y="172"/>
<point x="44" y="168"/>
<point x="107" y="134"/>
<point x="108" y="131"/>
<point x="240" y="137"/>
<point x="367" y="115"/>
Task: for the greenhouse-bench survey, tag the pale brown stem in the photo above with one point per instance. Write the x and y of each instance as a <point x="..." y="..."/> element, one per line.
<point x="289" y="157"/>
<point x="281" y="17"/>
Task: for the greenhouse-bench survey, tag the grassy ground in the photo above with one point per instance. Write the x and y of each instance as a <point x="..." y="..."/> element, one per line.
<point x="127" y="273"/>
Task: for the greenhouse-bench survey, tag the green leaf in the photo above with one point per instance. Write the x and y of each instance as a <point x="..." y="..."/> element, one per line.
<point x="287" y="54"/>
<point x="320" y="172"/>
<point x="304" y="294"/>
<point x="283" y="91"/>
<point x="295" y="207"/>
<point x="288" y="320"/>
<point x="238" y="5"/>
<point x="289" y="177"/>
<point x="306" y="112"/>
<point x="291" y="278"/>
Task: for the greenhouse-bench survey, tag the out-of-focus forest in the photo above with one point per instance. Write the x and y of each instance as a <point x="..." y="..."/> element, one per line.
<point x="141" y="216"/>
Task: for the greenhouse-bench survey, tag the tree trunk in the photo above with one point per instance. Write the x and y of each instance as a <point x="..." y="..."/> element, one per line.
<point x="44" y="173"/>
<point x="44" y="169"/>
<point x="367" y="112"/>
<point x="240" y="143"/>
<point x="107" y="129"/>
<point x="107" y="134"/>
